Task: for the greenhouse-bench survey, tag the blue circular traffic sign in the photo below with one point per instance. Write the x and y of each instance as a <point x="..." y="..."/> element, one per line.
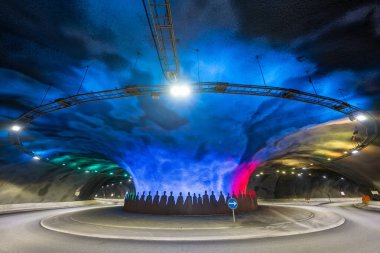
<point x="232" y="203"/>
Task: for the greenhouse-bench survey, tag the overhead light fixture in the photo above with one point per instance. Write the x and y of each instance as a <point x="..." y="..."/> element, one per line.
<point x="15" y="128"/>
<point x="329" y="159"/>
<point x="261" y="173"/>
<point x="180" y="90"/>
<point x="36" y="157"/>
<point x="354" y="151"/>
<point x="345" y="152"/>
<point x="361" y="117"/>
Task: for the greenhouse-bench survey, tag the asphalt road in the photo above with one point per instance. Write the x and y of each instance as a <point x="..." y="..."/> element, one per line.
<point x="360" y="233"/>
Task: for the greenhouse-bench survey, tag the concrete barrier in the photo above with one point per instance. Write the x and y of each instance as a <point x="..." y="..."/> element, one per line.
<point x="27" y="207"/>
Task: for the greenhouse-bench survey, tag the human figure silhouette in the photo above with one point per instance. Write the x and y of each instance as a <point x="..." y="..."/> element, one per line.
<point x="148" y="203"/>
<point x="187" y="207"/>
<point x="163" y="201"/>
<point x="206" y="203"/>
<point x="199" y="204"/>
<point x="156" y="202"/>
<point x="179" y="204"/>
<point x="213" y="202"/>
<point x="141" y="203"/>
<point x="195" y="202"/>
<point x="221" y="203"/>
<point x="171" y="203"/>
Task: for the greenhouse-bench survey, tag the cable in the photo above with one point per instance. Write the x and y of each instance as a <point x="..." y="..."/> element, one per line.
<point x="262" y="74"/>
<point x="85" y="73"/>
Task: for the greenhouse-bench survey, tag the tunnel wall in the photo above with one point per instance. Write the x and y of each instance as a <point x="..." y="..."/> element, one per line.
<point x="24" y="180"/>
<point x="274" y="186"/>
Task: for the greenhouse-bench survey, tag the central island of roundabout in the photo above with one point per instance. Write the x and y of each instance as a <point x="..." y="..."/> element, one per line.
<point x="127" y="223"/>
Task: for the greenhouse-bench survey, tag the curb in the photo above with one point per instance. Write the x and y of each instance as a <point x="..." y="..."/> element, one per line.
<point x="230" y="237"/>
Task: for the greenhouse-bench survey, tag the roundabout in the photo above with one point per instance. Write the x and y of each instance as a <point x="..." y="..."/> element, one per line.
<point x="267" y="221"/>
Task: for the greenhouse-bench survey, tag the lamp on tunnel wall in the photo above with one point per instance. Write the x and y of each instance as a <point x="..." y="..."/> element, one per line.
<point x="36" y="158"/>
<point x="354" y="151"/>
<point x="360" y="117"/>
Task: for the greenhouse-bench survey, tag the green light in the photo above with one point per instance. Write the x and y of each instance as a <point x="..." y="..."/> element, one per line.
<point x="111" y="173"/>
<point x="125" y="175"/>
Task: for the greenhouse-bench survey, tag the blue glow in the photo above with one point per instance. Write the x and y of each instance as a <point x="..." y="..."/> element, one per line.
<point x="193" y="145"/>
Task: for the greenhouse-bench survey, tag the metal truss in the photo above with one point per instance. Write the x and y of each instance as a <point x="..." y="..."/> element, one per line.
<point x="206" y="87"/>
<point x="159" y="14"/>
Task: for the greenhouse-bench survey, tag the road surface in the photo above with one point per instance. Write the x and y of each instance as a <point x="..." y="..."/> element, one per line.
<point x="360" y="233"/>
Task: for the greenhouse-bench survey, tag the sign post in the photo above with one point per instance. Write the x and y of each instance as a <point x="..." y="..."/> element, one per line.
<point x="232" y="204"/>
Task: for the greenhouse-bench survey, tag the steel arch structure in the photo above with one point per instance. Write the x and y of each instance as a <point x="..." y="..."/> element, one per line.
<point x="205" y="87"/>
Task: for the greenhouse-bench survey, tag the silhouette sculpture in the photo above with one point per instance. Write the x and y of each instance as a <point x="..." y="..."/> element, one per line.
<point x="205" y="204"/>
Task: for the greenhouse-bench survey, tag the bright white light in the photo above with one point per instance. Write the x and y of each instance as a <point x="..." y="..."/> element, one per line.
<point x="180" y="90"/>
<point x="257" y="175"/>
<point x="324" y="177"/>
<point x="15" y="128"/>
<point x="354" y="151"/>
<point x="304" y="168"/>
<point x="361" y="117"/>
<point x="36" y="157"/>
<point x="299" y="174"/>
